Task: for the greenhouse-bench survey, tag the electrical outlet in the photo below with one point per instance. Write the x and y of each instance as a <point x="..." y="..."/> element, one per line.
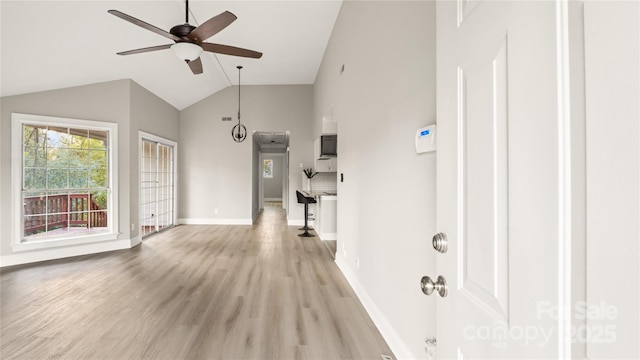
<point x="358" y="262"/>
<point x="133" y="226"/>
<point x="215" y="211"/>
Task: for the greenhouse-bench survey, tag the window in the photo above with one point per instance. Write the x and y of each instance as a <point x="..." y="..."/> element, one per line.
<point x="63" y="176"/>
<point x="267" y="168"/>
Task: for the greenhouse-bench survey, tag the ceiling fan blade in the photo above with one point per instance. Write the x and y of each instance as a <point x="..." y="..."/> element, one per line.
<point x="212" y="26"/>
<point x="195" y="66"/>
<point x="144" y="50"/>
<point x="144" y="25"/>
<point x="230" y="50"/>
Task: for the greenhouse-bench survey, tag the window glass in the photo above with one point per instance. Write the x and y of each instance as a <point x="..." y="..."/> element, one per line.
<point x="65" y="180"/>
<point x="268" y="168"/>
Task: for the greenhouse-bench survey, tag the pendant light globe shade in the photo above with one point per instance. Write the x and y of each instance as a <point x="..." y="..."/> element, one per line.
<point x="186" y="51"/>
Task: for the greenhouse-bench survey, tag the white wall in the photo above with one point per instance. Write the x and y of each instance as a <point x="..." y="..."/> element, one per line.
<point x="386" y="204"/>
<point x="216" y="172"/>
<point x="123" y="102"/>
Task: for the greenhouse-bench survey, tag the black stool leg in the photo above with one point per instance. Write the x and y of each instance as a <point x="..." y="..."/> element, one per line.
<point x="306" y="232"/>
<point x="306" y="217"/>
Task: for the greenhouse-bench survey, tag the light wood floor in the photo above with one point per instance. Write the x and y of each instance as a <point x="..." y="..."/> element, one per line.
<point x="192" y="292"/>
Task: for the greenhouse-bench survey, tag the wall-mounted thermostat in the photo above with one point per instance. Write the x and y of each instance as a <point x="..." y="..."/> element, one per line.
<point x="426" y="139"/>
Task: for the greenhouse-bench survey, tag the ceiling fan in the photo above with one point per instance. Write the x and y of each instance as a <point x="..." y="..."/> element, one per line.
<point x="189" y="40"/>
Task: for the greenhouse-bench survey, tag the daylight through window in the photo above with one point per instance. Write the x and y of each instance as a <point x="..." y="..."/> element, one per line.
<point x="268" y="168"/>
<point x="65" y="180"/>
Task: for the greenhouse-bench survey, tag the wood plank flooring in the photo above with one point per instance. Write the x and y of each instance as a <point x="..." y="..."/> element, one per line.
<point x="192" y="292"/>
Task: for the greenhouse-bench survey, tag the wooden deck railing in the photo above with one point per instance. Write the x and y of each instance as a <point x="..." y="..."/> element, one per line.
<point x="61" y="211"/>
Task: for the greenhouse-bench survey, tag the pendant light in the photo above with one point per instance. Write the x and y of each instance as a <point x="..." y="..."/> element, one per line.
<point x="239" y="132"/>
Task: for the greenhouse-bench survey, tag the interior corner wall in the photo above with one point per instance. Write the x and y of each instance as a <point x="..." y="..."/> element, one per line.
<point x="150" y="114"/>
<point x="216" y="172"/>
<point x="255" y="180"/>
<point x="386" y="204"/>
<point x="107" y="102"/>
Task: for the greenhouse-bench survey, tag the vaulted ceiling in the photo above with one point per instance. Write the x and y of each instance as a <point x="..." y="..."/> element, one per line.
<point x="55" y="44"/>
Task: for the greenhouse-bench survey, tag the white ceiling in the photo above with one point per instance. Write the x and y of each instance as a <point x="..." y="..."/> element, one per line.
<point x="272" y="142"/>
<point x="56" y="44"/>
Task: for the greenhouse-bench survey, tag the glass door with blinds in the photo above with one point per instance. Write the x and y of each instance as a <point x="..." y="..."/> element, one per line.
<point x="157" y="188"/>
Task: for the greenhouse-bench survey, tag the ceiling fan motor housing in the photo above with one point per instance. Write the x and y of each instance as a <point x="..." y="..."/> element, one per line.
<point x="182" y="30"/>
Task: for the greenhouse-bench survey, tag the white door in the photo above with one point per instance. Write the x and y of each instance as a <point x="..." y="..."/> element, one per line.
<point x="157" y="184"/>
<point x="500" y="180"/>
<point x="612" y="67"/>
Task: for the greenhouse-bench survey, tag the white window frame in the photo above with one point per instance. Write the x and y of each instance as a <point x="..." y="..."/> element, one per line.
<point x="18" y="243"/>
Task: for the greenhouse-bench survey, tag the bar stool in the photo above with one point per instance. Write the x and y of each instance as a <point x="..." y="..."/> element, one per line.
<point x="309" y="215"/>
<point x="306" y="201"/>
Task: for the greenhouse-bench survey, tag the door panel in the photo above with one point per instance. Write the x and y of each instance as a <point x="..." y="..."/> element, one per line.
<point x="497" y="179"/>
<point x="148" y="187"/>
<point x="157" y="188"/>
<point x="482" y="128"/>
<point x="165" y="186"/>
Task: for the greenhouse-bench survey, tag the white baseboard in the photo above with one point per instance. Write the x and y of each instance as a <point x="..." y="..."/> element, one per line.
<point x="299" y="222"/>
<point x="136" y="241"/>
<point x="399" y="348"/>
<point x="63" y="252"/>
<point x="328" y="236"/>
<point x="295" y="222"/>
<point x="195" y="221"/>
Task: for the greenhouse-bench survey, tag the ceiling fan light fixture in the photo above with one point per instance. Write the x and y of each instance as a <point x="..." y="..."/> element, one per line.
<point x="186" y="51"/>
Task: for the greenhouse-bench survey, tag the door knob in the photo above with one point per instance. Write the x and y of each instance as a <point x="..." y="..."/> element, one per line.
<point x="440" y="242"/>
<point x="428" y="286"/>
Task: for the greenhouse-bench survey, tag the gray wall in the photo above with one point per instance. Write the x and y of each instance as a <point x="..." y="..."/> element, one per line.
<point x="386" y="204"/>
<point x="216" y="172"/>
<point x="123" y="102"/>
<point x="272" y="187"/>
<point x="155" y="116"/>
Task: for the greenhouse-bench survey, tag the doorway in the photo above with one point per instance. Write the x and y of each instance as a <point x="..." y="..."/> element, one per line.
<point x="271" y="169"/>
<point x="272" y="179"/>
<point x="157" y="184"/>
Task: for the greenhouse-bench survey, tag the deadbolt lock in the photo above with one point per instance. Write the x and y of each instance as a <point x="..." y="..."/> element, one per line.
<point x="440" y="242"/>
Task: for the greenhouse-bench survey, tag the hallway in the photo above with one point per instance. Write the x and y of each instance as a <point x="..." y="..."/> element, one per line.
<point x="192" y="292"/>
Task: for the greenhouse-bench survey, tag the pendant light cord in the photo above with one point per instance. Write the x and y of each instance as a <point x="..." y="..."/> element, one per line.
<point x="239" y="68"/>
<point x="239" y="132"/>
